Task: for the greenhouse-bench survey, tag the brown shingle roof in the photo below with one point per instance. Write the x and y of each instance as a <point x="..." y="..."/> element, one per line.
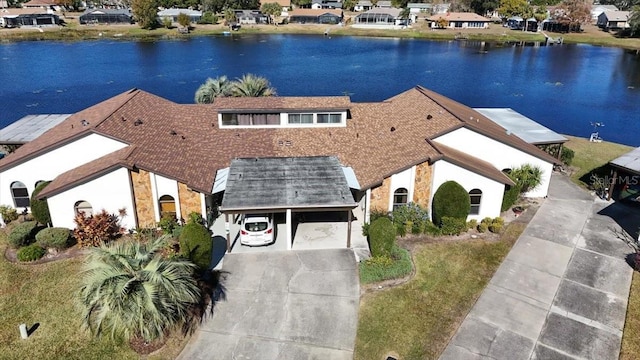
<point x="88" y="171"/>
<point x="183" y="142"/>
<point x="471" y="163"/>
<point x="283" y="103"/>
<point x="68" y="130"/>
<point x="473" y="120"/>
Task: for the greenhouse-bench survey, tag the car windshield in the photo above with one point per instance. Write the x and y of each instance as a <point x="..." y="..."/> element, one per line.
<point x="255" y="225"/>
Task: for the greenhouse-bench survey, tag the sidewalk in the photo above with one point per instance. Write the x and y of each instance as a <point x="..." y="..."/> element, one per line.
<point x="562" y="291"/>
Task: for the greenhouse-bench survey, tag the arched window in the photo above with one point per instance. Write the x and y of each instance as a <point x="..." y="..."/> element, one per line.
<point x="167" y="206"/>
<point x="400" y="197"/>
<point x="475" y="197"/>
<point x="83" y="207"/>
<point x="20" y="194"/>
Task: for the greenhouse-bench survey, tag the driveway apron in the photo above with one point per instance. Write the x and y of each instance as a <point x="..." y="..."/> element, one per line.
<point x="562" y="291"/>
<point x="283" y="305"/>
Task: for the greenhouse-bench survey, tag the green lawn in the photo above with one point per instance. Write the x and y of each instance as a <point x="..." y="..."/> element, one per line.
<point x="417" y="319"/>
<point x="373" y="271"/>
<point x="630" y="343"/>
<point x="591" y="156"/>
<point x="44" y="294"/>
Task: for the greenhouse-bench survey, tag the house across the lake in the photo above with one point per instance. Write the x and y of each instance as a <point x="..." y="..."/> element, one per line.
<point x="614" y="20"/>
<point x="315" y="16"/>
<point x="194" y="15"/>
<point x="459" y="20"/>
<point x="106" y="16"/>
<point x="153" y="157"/>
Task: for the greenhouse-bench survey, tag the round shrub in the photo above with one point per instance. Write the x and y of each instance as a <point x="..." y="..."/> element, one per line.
<point x="453" y="226"/>
<point x="31" y="253"/>
<point x="40" y="208"/>
<point x="450" y="200"/>
<point x="56" y="238"/>
<point x="195" y="244"/>
<point x="23" y="234"/>
<point x="382" y="236"/>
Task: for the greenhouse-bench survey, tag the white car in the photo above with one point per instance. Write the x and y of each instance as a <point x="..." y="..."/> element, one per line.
<point x="256" y="229"/>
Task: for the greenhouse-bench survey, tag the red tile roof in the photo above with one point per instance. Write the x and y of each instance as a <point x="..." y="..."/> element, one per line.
<point x="184" y="142"/>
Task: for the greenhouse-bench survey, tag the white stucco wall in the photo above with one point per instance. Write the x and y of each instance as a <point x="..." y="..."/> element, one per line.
<point x="110" y="192"/>
<point x="500" y="155"/>
<point x="492" y="191"/>
<point x="51" y="164"/>
<point x="404" y="179"/>
<point x="161" y="186"/>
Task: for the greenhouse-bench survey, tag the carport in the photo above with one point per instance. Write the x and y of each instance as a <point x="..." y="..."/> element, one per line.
<point x="287" y="185"/>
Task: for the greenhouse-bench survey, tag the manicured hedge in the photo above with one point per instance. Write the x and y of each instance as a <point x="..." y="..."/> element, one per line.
<point x="56" y="238"/>
<point x="40" y="208"/>
<point x="382" y="237"/>
<point x="31" y="253"/>
<point x="195" y="244"/>
<point x="23" y="234"/>
<point x="450" y="200"/>
<point x="510" y="197"/>
<point x="453" y="226"/>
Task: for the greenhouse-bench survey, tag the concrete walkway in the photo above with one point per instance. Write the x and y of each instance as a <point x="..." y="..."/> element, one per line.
<point x="562" y="291"/>
<point x="283" y="305"/>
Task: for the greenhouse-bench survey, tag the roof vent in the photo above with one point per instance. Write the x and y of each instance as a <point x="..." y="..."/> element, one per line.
<point x="183" y="137"/>
<point x="138" y="122"/>
<point x="123" y="119"/>
<point x="429" y="117"/>
<point x="287" y="143"/>
<point x="393" y="129"/>
<point x="173" y="132"/>
<point x="84" y="122"/>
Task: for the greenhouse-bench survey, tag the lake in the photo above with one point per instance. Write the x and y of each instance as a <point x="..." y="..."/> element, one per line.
<point x="563" y="87"/>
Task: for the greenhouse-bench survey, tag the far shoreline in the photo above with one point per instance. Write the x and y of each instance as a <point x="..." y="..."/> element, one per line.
<point x="496" y="33"/>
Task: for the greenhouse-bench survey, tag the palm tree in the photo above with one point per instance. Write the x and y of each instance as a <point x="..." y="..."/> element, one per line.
<point x="213" y="88"/>
<point x="229" y="16"/>
<point x="252" y="86"/>
<point x="129" y="290"/>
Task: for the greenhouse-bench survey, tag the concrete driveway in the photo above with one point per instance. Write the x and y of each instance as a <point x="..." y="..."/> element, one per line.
<point x="283" y="305"/>
<point x="562" y="291"/>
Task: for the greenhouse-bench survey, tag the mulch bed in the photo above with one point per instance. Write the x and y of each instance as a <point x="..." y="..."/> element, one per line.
<point x="140" y="346"/>
<point x="12" y="255"/>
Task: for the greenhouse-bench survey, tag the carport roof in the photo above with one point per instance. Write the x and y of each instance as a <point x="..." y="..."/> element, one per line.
<point x="629" y="161"/>
<point x="286" y="183"/>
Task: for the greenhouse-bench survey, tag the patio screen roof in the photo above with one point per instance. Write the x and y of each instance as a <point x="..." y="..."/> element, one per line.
<point x="523" y="127"/>
<point x="29" y="128"/>
<point x="268" y="184"/>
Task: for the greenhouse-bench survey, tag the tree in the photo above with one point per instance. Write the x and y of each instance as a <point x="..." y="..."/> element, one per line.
<point x="509" y="8"/>
<point x="574" y="12"/>
<point x="40" y="208"/>
<point x="272" y="9"/>
<point x="145" y="12"/>
<point x="184" y="20"/>
<point x="215" y="6"/>
<point x="400" y="4"/>
<point x="634" y="21"/>
<point x="540" y="13"/>
<point x="482" y="7"/>
<point x="405" y="13"/>
<point x="302" y="3"/>
<point x="229" y="16"/>
<point x="252" y="86"/>
<point x="129" y="290"/>
<point x="527" y="177"/>
<point x="213" y="88"/>
<point x="349" y="4"/>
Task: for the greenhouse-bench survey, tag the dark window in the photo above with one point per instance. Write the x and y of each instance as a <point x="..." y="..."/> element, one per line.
<point x="400" y="197"/>
<point x="167" y="206"/>
<point x="475" y="197"/>
<point x="83" y="207"/>
<point x="300" y="118"/>
<point x="250" y="119"/>
<point x="329" y="118"/>
<point x="20" y="194"/>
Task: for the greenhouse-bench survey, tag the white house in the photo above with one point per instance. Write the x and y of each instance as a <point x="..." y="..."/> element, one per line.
<point x="457" y="20"/>
<point x="154" y="158"/>
<point x="194" y="15"/>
